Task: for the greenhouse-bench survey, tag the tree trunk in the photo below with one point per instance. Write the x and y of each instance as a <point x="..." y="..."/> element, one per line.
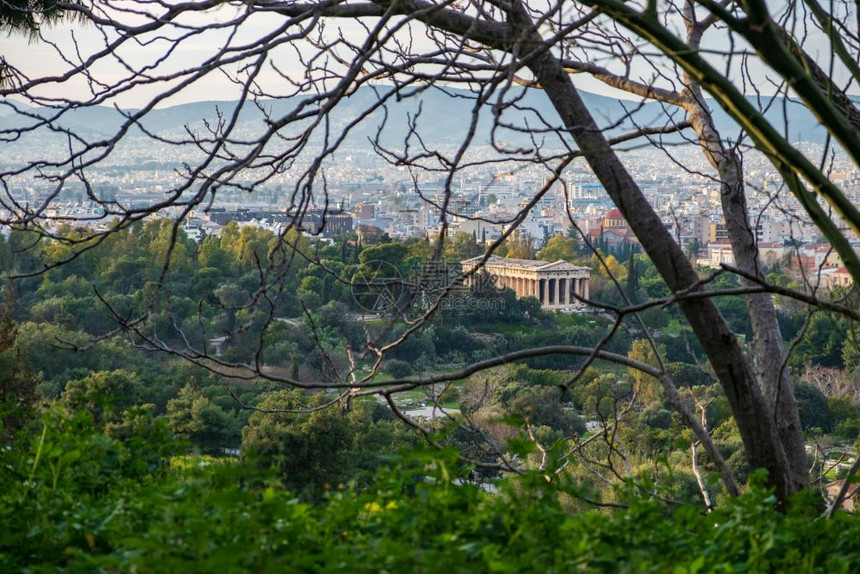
<point x="762" y="445"/>
<point x="767" y="338"/>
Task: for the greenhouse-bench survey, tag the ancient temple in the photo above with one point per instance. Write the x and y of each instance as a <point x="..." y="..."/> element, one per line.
<point x="555" y="284"/>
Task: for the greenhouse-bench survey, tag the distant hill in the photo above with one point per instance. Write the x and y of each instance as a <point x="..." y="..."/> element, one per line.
<point x="8" y="107"/>
<point x="442" y="117"/>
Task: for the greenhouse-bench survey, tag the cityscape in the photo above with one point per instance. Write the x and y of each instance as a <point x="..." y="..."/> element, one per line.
<point x="364" y="193"/>
<point x="426" y="286"/>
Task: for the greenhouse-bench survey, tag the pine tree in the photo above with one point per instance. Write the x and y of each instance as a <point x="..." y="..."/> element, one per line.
<point x="632" y="278"/>
<point x="17" y="381"/>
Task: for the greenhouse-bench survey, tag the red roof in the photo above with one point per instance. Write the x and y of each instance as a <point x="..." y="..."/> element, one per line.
<point x="614" y="213"/>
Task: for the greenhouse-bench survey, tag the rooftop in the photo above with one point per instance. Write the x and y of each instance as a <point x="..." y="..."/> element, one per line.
<point x="532" y="264"/>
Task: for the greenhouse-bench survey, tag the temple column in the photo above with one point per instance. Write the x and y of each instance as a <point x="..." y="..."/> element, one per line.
<point x="568" y="286"/>
<point x="585" y="288"/>
<point x="552" y="292"/>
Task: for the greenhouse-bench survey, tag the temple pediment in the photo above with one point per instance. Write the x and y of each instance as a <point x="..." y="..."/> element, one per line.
<point x="524" y="264"/>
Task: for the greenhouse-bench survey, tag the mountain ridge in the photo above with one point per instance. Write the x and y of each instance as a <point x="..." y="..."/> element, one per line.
<point x="441" y="116"/>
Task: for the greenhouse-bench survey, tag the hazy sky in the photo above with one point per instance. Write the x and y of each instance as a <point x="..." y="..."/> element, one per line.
<point x="42" y="58"/>
<point x="46" y="57"/>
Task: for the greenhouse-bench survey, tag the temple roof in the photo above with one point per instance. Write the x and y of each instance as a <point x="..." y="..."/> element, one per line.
<point x="530" y="264"/>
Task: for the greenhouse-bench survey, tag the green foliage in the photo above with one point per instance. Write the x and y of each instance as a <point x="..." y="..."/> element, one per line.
<point x="542" y="406"/>
<point x="654" y="317"/>
<point x="657" y="417"/>
<point x="124" y="509"/>
<point x="455" y="343"/>
<point x="390" y="253"/>
<point x="812" y="404"/>
<point x="418" y="345"/>
<point x="685" y="374"/>
<point x="18" y="394"/>
<point x="559" y="247"/>
<point x="104" y="510"/>
<point x="633" y="279"/>
<point x="822" y="343"/>
<point x="462" y="246"/>
<point x="193" y="416"/>
<point x="609" y="266"/>
<point x="103" y="395"/>
<point x="520" y="245"/>
<point x="28" y="15"/>
<point x="845" y="417"/>
<point x="543" y="377"/>
<point x="397" y="369"/>
<point x="41" y="344"/>
<point x="648" y="388"/>
<point x="507" y="408"/>
<point x="319" y="449"/>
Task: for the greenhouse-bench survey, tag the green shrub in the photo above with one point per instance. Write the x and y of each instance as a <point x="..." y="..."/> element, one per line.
<point x="105" y="511"/>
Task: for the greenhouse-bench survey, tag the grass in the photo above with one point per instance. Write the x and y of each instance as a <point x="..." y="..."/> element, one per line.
<point x="413" y="395"/>
<point x="380" y="376"/>
<point x="674" y="328"/>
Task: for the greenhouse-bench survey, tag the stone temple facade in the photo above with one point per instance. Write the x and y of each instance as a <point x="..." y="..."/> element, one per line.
<point x="553" y="284"/>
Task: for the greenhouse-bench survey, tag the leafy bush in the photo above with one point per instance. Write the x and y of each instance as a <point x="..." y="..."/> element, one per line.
<point x="812" y="404"/>
<point x="397" y="368"/>
<point x="75" y="499"/>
